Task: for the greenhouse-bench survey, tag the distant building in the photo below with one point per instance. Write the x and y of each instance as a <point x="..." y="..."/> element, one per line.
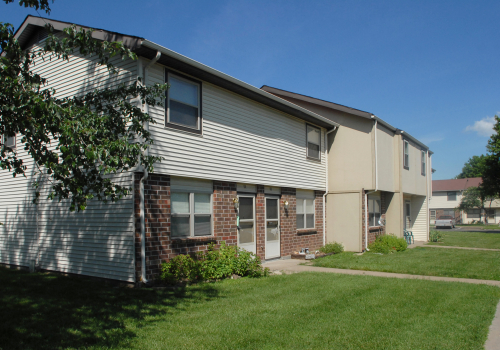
<point x="447" y="195"/>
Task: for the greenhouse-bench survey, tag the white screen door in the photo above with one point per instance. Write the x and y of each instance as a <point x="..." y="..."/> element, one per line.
<point x="246" y="223"/>
<point x="272" y="227"/>
<point x="407" y="216"/>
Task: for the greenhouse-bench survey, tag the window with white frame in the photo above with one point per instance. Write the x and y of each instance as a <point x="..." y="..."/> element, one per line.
<point x="423" y="163"/>
<point x="406" y="159"/>
<point x="305" y="209"/>
<point x="374" y="210"/>
<point x="183" y="103"/>
<point x="433" y="214"/>
<point x="313" y="142"/>
<point x="451" y="196"/>
<point x="9" y="141"/>
<point x="473" y="213"/>
<point x="191" y="207"/>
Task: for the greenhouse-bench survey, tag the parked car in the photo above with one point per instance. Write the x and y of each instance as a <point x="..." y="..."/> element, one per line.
<point x="445" y="221"/>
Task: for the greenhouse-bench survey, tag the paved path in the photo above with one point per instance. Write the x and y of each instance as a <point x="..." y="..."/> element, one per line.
<point x="467" y="248"/>
<point x="293" y="266"/>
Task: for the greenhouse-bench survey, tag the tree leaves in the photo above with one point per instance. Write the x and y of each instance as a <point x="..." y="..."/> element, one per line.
<point x="78" y="141"/>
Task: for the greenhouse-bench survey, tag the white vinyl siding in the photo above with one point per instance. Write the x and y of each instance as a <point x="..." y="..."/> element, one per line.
<point x="439" y="200"/>
<point x="419" y="217"/>
<point x="242" y="141"/>
<point x="97" y="242"/>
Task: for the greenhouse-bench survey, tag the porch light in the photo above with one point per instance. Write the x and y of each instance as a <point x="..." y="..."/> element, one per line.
<point x="236" y="203"/>
<point x="285" y="204"/>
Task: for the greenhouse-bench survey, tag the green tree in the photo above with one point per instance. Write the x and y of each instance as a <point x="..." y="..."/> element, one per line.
<point x="95" y="135"/>
<point x="475" y="198"/>
<point x="474" y="167"/>
<point x="491" y="176"/>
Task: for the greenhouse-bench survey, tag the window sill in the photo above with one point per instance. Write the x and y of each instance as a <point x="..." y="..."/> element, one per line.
<point x="314" y="159"/>
<point x="375" y="228"/>
<point x="307" y="231"/>
<point x="183" y="128"/>
<point x="201" y="239"/>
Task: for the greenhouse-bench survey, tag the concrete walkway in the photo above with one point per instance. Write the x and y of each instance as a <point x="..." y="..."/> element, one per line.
<point x="466" y="248"/>
<point x="293" y="266"/>
<point x="279" y="267"/>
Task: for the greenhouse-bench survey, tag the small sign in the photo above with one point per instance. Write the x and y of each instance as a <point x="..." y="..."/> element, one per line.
<point x="310" y="256"/>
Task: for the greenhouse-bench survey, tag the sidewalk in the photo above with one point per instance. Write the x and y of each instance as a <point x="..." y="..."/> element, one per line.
<point x="279" y="267"/>
<point x="293" y="266"/>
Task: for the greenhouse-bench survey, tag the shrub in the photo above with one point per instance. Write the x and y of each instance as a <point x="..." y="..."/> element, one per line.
<point x="388" y="243"/>
<point x="333" y="247"/>
<point x="214" y="264"/>
<point x="435" y="236"/>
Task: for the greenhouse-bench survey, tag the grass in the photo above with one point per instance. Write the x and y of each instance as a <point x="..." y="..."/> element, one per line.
<point x="482" y="226"/>
<point x="469" y="239"/>
<point x="423" y="261"/>
<point x="300" y="311"/>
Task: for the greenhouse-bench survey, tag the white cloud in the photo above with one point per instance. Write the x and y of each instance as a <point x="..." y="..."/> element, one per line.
<point x="483" y="127"/>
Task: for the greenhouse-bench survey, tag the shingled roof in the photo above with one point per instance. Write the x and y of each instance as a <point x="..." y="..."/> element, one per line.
<point x="455" y="184"/>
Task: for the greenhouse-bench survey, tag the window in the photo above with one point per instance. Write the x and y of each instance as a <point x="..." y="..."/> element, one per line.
<point x="183" y="103"/>
<point x="313" y="142"/>
<point x="473" y="214"/>
<point x="489" y="213"/>
<point x="433" y="214"/>
<point x="452" y="196"/>
<point x="423" y="163"/>
<point x="9" y="141"/>
<point x="191" y="214"/>
<point x="406" y="160"/>
<point x="374" y="210"/>
<point x="305" y="209"/>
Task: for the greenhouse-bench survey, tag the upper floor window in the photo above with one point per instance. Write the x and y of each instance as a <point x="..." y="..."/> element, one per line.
<point x="313" y="142"/>
<point x="423" y="163"/>
<point x="183" y="103"/>
<point x="406" y="159"/>
<point x="9" y="141"/>
<point x="452" y="196"/>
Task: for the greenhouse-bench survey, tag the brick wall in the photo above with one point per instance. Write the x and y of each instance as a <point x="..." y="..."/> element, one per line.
<point x="161" y="247"/>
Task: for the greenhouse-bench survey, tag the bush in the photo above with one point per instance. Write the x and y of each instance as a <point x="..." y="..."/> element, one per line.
<point x="388" y="243"/>
<point x="435" y="236"/>
<point x="333" y="247"/>
<point x="214" y="264"/>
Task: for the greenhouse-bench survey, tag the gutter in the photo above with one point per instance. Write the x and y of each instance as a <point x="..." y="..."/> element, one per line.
<point x="376" y="185"/>
<point x="326" y="192"/>
<point x="144" y="177"/>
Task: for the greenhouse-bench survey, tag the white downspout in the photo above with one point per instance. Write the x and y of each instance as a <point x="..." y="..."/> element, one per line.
<point x="376" y="186"/>
<point x="326" y="192"/>
<point x="145" y="176"/>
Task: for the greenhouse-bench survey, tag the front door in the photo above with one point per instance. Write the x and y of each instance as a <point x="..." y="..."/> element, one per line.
<point x="272" y="227"/>
<point x="246" y="223"/>
<point x="407" y="215"/>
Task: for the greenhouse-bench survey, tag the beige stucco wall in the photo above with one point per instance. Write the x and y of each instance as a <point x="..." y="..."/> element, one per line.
<point x="413" y="182"/>
<point x="394" y="214"/>
<point x="385" y="158"/>
<point x="344" y="220"/>
<point x="351" y="157"/>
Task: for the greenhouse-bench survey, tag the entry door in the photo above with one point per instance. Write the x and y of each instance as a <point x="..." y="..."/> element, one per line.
<point x="272" y="227"/>
<point x="407" y="215"/>
<point x="246" y="223"/>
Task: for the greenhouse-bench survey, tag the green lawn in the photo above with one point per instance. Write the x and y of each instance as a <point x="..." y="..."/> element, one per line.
<point x="422" y="261"/>
<point x="299" y="311"/>
<point x="481" y="226"/>
<point x="470" y="239"/>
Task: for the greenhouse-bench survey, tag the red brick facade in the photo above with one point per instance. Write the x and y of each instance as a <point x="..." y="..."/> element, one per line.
<point x="373" y="232"/>
<point x="161" y="247"/>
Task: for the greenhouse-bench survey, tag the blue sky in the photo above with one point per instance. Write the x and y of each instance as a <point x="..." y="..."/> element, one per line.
<point x="430" y="68"/>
